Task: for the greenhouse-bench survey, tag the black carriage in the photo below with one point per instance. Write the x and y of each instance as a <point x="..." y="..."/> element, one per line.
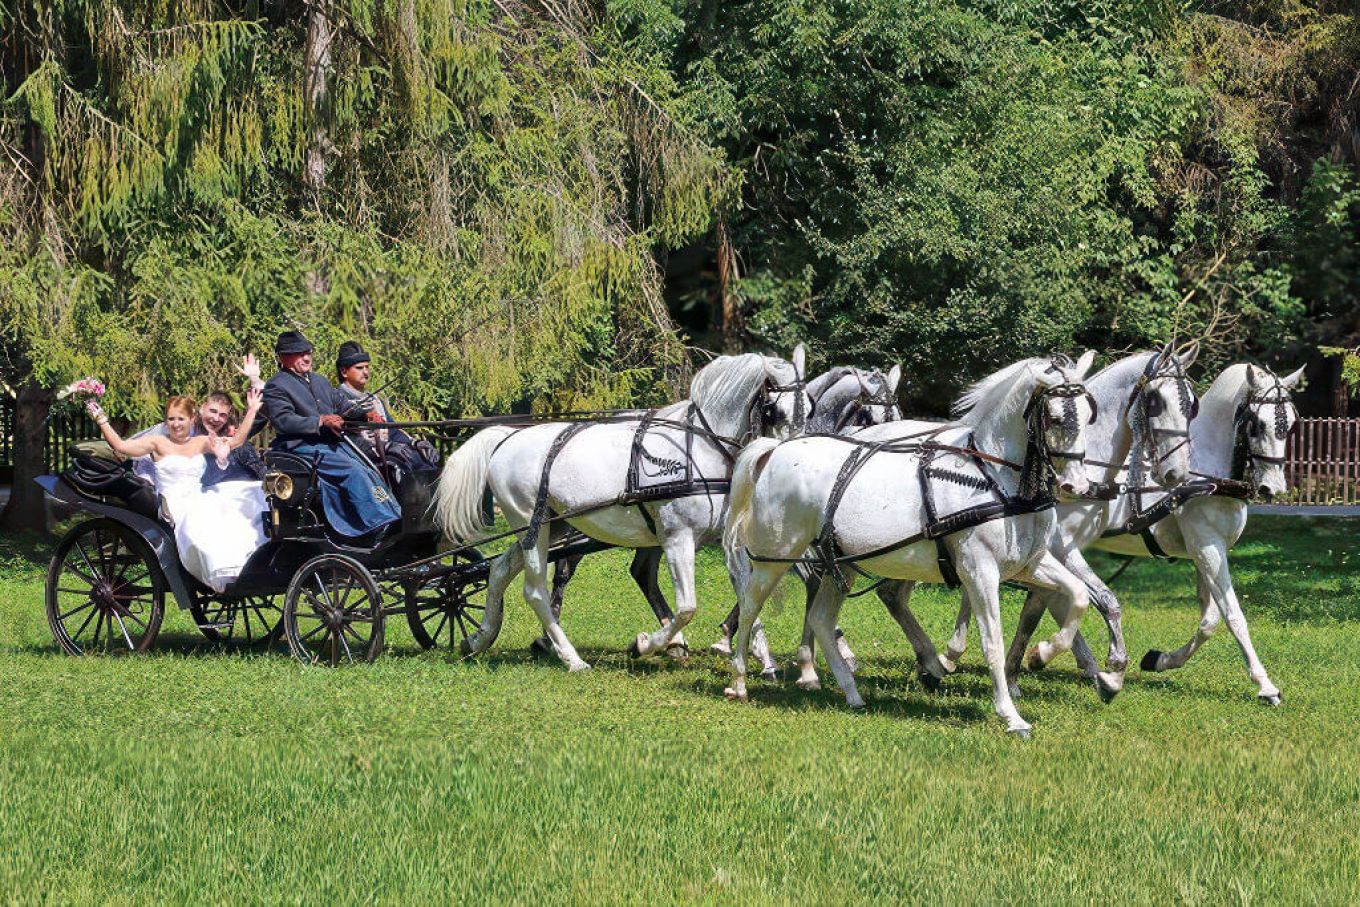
<point x="110" y="576"/>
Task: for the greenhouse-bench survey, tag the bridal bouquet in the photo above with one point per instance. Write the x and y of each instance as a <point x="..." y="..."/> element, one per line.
<point x="85" y="387"/>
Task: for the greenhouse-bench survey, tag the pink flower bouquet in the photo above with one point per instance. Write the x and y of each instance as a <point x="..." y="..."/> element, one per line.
<point x="85" y="387"/>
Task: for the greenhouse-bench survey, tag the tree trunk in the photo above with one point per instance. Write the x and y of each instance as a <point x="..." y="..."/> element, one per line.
<point x="316" y="81"/>
<point x="26" y="509"/>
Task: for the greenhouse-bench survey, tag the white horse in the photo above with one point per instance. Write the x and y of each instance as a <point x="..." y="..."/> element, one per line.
<point x="1238" y="444"/>
<point x="579" y="472"/>
<point x="1146" y="404"/>
<point x="1020" y="430"/>
<point x="843" y="399"/>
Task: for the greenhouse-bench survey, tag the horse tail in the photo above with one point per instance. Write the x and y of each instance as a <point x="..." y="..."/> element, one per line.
<point x="744" y="474"/>
<point x="458" y="499"/>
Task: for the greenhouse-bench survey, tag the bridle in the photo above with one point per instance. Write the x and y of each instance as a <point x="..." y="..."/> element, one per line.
<point x="858" y="410"/>
<point x="1034" y="482"/>
<point x="1247" y="425"/>
<point x="1148" y="405"/>
<point x="764" y="413"/>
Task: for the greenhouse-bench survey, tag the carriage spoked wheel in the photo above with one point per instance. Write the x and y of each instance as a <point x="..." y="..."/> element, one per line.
<point x="449" y="610"/>
<point x="332" y="612"/>
<point x="104" y="592"/>
<point x="253" y="620"/>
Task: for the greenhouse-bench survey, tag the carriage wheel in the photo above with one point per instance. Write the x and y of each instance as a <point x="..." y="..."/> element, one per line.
<point x="332" y="612"/>
<point x="104" y="591"/>
<point x="449" y="610"/>
<point x="254" y="620"/>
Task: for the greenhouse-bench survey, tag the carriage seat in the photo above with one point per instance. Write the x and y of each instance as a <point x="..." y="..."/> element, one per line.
<point x="111" y="482"/>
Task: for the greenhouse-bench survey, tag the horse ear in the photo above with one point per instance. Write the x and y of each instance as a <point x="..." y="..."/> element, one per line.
<point x="800" y="360"/>
<point x="1084" y="364"/>
<point x="894" y="376"/>
<point x="1253" y="381"/>
<point x="1189" y="355"/>
<point x="1162" y="355"/>
<point x="1292" y="379"/>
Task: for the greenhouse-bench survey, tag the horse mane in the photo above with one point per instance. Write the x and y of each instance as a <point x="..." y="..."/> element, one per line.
<point x="1115" y="370"/>
<point x="728" y="383"/>
<point x="993" y="397"/>
<point x="827" y="380"/>
<point x="1229" y="387"/>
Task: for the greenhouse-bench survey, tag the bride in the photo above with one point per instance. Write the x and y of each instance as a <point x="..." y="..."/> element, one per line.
<point x="216" y="530"/>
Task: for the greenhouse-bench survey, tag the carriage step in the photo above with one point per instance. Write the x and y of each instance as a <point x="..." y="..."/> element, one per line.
<point x="222" y="626"/>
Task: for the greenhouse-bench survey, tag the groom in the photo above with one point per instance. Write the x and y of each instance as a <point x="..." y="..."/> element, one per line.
<point x="304" y="410"/>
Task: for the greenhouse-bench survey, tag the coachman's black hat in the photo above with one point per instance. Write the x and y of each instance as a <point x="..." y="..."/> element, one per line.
<point x="351" y="353"/>
<point x="292" y="342"/>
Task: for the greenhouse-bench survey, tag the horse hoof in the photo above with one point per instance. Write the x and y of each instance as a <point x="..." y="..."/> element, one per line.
<point x="811" y="685"/>
<point x="735" y="696"/>
<point x="721" y="648"/>
<point x="578" y="667"/>
<point x="950" y="665"/>
<point x="1149" y="662"/>
<point x="1106" y="690"/>
<point x="856" y="708"/>
<point x="929" y="681"/>
<point x="677" y="650"/>
<point x="1032" y="659"/>
<point x="769" y="674"/>
<point x="1019" y="733"/>
<point x="1270" y="699"/>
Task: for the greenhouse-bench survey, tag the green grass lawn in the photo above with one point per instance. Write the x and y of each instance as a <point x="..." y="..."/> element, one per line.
<point x="208" y="774"/>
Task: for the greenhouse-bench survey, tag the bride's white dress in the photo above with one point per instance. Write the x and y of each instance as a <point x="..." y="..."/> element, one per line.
<point x="217" y="529"/>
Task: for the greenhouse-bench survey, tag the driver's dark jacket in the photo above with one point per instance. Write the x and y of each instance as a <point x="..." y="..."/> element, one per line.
<point x="295" y="405"/>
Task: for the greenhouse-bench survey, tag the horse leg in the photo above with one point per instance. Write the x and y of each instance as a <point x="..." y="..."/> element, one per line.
<point x="563" y="570"/>
<point x="982" y="587"/>
<point x="728" y="629"/>
<point x="536" y="594"/>
<point x="1031" y="612"/>
<point x="1211" y="561"/>
<point x="644" y="569"/>
<point x="754" y="581"/>
<point x="1068" y="603"/>
<point x="822" y="615"/>
<point x="679" y="548"/>
<point x="958" y="643"/>
<point x="806" y="659"/>
<point x="1209" y="616"/>
<point x="504" y="568"/>
<point x="897" y="598"/>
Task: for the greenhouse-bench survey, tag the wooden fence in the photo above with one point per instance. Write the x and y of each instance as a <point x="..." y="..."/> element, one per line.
<point x="1322" y="462"/>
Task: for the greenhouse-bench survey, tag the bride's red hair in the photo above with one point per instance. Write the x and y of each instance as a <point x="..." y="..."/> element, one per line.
<point x="182" y="403"/>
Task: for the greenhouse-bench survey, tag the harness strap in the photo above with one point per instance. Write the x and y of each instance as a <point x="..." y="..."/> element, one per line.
<point x="540" y="512"/>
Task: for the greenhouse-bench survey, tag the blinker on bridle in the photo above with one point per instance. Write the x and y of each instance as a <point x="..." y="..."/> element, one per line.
<point x="1254" y="426"/>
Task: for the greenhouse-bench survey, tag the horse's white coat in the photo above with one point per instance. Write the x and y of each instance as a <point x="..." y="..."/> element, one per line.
<point x="591" y="471"/>
<point x="779" y="495"/>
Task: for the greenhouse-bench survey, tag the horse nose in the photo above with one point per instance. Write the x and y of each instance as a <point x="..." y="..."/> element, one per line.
<point x="1173" y="476"/>
<point x="1265" y="491"/>
<point x="1069" y="487"/>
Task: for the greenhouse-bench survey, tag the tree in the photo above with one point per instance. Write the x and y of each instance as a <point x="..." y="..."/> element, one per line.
<point x="477" y="190"/>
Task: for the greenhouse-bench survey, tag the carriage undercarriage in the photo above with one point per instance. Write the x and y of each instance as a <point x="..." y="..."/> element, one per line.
<point x="111" y="574"/>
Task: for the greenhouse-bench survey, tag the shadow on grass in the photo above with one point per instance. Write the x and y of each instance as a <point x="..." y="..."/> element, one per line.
<point x="1290" y="569"/>
<point x="24" y="555"/>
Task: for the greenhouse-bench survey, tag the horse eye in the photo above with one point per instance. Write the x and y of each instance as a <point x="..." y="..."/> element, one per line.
<point x="1154" y="404"/>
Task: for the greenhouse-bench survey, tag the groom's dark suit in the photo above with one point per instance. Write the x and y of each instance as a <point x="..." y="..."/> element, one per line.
<point x="355" y="497"/>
